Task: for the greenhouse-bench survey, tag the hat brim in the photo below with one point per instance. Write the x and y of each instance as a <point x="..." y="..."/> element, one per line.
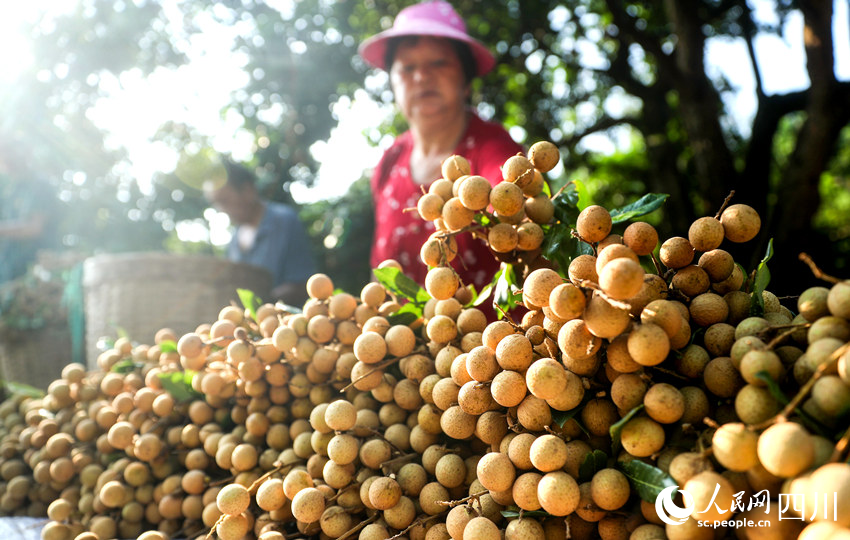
<point x="374" y="49"/>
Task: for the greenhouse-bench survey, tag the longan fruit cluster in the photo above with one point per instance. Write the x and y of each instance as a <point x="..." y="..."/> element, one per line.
<point x="514" y="208"/>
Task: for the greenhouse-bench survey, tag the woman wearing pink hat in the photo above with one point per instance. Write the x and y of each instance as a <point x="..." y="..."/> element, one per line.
<point x="431" y="60"/>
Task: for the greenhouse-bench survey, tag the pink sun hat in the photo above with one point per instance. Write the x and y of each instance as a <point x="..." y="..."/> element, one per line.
<point x="431" y="18"/>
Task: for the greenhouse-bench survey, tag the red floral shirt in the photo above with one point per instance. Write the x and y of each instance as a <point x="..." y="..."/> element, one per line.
<point x="399" y="235"/>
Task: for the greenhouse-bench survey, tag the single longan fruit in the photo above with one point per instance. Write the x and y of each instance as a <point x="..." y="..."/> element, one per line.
<point x="548" y="453"/>
<point x="384" y="493"/>
<point x="576" y="341"/>
<point x="621" y="278"/>
<point x="712" y="494"/>
<point x="718" y="264"/>
<point x="457" y="423"/>
<point x="648" y="344"/>
<point x="812" y="303"/>
<point x="430" y="206"/>
<point x="441" y="282"/>
<point x="455" y="215"/>
<point x="495" y="471"/>
<point x="558" y="493"/>
<point x="540" y="209"/>
<point x="453" y="167"/>
<point x="514" y="352"/>
<point x="508" y="388"/>
<point x="320" y="286"/>
<point x="609" y="489"/>
<point x="233" y="499"/>
<point x="735" y="447"/>
<point x="627" y="391"/>
<point x="544" y="155"/>
<point x="786" y="449"/>
<point x="663" y="313"/>
<point x="370" y="347"/>
<point x="721" y="378"/>
<point x="708" y="309"/>
<point x="582" y="268"/>
<point x="518" y="170"/>
<point x="474" y="192"/>
<point x="690" y="281"/>
<point x="507" y="198"/>
<point x="567" y="301"/>
<point x="539" y="285"/>
<point x="664" y="403"/>
<point x="450" y="471"/>
<point x="705" y="234"/>
<point x="529" y="236"/>
<point x="524" y="491"/>
<point x="340" y="415"/>
<point x="502" y="238"/>
<point x="641" y="237"/>
<point x="642" y="436"/>
<point x="594" y="223"/>
<point x="546" y="378"/>
<point x="308" y="505"/>
<point x="481" y="528"/>
<point x="741" y="223"/>
<point x="676" y="252"/>
<point x="754" y="404"/>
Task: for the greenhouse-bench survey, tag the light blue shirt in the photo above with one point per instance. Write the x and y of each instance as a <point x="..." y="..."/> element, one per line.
<point x="281" y="246"/>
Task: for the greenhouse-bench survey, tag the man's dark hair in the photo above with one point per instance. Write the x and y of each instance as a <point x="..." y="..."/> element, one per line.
<point x="464" y="54"/>
<point x="238" y="176"/>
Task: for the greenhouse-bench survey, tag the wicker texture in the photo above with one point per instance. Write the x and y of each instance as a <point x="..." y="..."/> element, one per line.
<point x="35" y="357"/>
<point x="140" y="293"/>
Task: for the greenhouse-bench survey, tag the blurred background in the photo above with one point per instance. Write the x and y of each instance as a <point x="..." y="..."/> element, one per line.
<point x="122" y="107"/>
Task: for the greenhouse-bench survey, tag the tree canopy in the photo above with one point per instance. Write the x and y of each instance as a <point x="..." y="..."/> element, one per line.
<point x="632" y="69"/>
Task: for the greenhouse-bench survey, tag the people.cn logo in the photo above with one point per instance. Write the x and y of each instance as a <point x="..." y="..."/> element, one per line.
<point x="670" y="512"/>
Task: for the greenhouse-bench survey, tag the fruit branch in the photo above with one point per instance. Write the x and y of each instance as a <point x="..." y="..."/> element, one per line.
<point x="400" y="459"/>
<point x="414" y="524"/>
<point x="840" y="447"/>
<point x="379" y="366"/>
<point x="474" y="498"/>
<point x="818" y="273"/>
<point x="790" y="329"/>
<point x="725" y="204"/>
<point x="804" y="391"/>
<point x="357" y="527"/>
<point x="277" y="468"/>
<point x="587" y="284"/>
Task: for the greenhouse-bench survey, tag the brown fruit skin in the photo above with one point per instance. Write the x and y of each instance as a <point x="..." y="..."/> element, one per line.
<point x="594" y="223"/>
<point x="543" y="155"/>
<point x="676" y="252"/>
<point x="741" y="223"/>
<point x="705" y="234"/>
<point x="641" y="237"/>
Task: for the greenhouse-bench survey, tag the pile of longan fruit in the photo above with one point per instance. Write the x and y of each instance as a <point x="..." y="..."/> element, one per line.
<point x="336" y="423"/>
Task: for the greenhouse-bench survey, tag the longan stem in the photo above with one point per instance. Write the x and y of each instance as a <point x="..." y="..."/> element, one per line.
<point x="804" y="391"/>
<point x="357" y="527"/>
<point x="414" y="524"/>
<point x="222" y="481"/>
<point x="840" y="447"/>
<point x="779" y="338"/>
<point x="725" y="204"/>
<point x="586" y="283"/>
<point x="256" y="484"/>
<point x="212" y="529"/>
<point x="378" y="366"/>
<point x="657" y="263"/>
<point x="574" y="233"/>
<point x="399" y="459"/>
<point x="474" y="497"/>
<point x="818" y="273"/>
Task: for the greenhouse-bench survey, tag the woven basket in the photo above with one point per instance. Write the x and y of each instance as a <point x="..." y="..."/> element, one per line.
<point x="35" y="357"/>
<point x="140" y="293"/>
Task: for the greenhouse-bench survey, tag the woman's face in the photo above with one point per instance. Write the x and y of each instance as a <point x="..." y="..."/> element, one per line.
<point x="428" y="82"/>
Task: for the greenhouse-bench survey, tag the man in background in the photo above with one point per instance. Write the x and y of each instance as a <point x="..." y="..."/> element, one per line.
<point x="266" y="234"/>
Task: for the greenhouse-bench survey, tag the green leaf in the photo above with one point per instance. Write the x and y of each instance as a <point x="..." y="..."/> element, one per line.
<point x="488" y="289"/>
<point x="592" y="464"/>
<point x="483" y="219"/>
<point x="250" y="301"/>
<point x="616" y="428"/>
<point x="565" y="204"/>
<point x="547" y="190"/>
<point x="582" y="195"/>
<point x="406" y="315"/>
<point x="128" y="365"/>
<point x="511" y="513"/>
<point x="23" y="389"/>
<point x="779" y="395"/>
<point x="179" y="385"/>
<point x="505" y="293"/>
<point x="647" y="481"/>
<point x="472" y="290"/>
<point x="760" y="282"/>
<point x="396" y="282"/>
<point x="646" y="204"/>
<point x="168" y="345"/>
